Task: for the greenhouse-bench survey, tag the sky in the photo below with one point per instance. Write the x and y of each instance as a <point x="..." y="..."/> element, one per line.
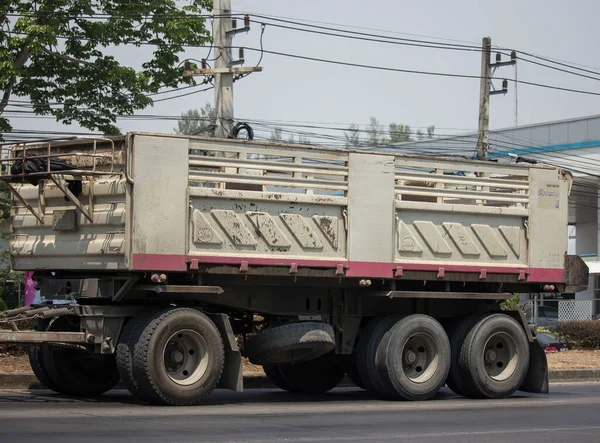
<point x="305" y="91"/>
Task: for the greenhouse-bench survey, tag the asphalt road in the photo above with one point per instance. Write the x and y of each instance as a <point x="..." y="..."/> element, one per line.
<point x="569" y="414"/>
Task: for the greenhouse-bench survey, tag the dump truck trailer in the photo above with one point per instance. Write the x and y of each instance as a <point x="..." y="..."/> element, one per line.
<point x="163" y="260"/>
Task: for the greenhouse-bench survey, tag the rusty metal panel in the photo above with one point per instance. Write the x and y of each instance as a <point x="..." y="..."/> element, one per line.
<point x="98" y="245"/>
<point x="160" y="196"/>
<point x="42" y="337"/>
<point x="64" y="220"/>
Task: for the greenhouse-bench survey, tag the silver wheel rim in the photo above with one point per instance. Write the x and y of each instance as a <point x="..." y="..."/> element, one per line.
<point x="500" y="356"/>
<point x="185" y="357"/>
<point x="420" y="358"/>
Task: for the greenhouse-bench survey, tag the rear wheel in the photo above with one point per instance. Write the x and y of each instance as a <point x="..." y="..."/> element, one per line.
<point x="459" y="380"/>
<point x="178" y="357"/>
<point x="79" y="373"/>
<point x="413" y="359"/>
<point x="495" y="357"/>
<point x="124" y="354"/>
<point x="366" y="351"/>
<point x="313" y="377"/>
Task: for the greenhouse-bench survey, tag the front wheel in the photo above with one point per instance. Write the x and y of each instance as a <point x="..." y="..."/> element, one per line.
<point x="178" y="357"/>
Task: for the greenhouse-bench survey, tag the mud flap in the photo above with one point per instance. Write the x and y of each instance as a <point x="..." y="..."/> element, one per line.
<point x="232" y="376"/>
<point x="537" y="375"/>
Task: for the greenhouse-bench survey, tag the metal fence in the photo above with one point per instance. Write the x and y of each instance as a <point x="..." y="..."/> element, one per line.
<point x="545" y="313"/>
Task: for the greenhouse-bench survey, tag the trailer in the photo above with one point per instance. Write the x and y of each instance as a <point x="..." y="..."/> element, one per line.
<point x="164" y="260"/>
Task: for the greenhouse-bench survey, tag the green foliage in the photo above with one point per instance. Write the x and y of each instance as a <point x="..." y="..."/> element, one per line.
<point x="197" y="122"/>
<point x="511" y="304"/>
<point x="352" y="136"/>
<point x="3" y="306"/>
<point x="374" y="132"/>
<point x="4" y="202"/>
<point x="583" y="334"/>
<point x="398" y="133"/>
<point x="10" y="281"/>
<point x="56" y="53"/>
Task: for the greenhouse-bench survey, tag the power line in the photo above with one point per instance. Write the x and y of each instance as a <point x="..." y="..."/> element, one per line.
<point x="371" y="38"/>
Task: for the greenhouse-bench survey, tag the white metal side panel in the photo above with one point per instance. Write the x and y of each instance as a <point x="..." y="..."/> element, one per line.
<point x="548" y="220"/>
<point x="464" y="238"/>
<point x="160" y="203"/>
<point x="370" y="211"/>
<point x="268" y="230"/>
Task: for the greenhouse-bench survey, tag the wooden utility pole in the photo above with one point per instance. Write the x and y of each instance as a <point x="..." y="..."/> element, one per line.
<point x="484" y="99"/>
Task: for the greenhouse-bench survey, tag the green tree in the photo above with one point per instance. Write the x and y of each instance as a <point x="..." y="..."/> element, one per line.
<point x="400" y="133"/>
<point x="352" y="136"/>
<point x="374" y="133"/>
<point x="430" y="131"/>
<point x="54" y="54"/>
<point x="197" y="122"/>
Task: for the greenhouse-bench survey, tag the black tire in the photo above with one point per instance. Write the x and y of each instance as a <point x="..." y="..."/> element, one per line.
<point x="315" y="376"/>
<point x="495" y="356"/>
<point x="196" y="346"/>
<point x="459" y="380"/>
<point x="366" y="350"/>
<point x="79" y="373"/>
<point x="124" y="354"/>
<point x="413" y="359"/>
<point x="39" y="369"/>
<point x="292" y="343"/>
<point x="274" y="375"/>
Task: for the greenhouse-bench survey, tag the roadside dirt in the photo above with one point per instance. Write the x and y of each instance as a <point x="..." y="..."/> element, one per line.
<point x="559" y="360"/>
<point x="574" y="360"/>
<point x="14" y="363"/>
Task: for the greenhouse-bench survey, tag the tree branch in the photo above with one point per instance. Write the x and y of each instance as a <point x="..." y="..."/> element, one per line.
<point x="67" y="58"/>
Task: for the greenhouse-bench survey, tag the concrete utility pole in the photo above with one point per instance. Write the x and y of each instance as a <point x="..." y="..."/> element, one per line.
<point x="487" y="70"/>
<point x="224" y="73"/>
<point x="484" y="99"/>
<point x="223" y="81"/>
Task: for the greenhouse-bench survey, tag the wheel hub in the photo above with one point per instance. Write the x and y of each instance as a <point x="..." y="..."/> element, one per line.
<point x="500" y="356"/>
<point x="420" y="358"/>
<point x="185" y="357"/>
<point x="490" y="355"/>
